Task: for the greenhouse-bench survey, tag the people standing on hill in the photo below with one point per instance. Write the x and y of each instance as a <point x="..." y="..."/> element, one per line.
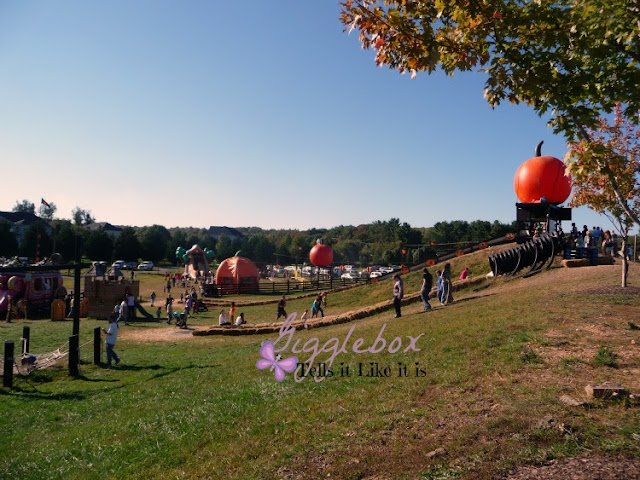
<point x="232" y="311"/>
<point x="607" y="243"/>
<point x="281" y="311"/>
<point x="398" y="293"/>
<point x="427" y="282"/>
<point x="439" y="286"/>
<point x="153" y="297"/>
<point x="588" y="240"/>
<point x="447" y="286"/>
<point x="319" y="305"/>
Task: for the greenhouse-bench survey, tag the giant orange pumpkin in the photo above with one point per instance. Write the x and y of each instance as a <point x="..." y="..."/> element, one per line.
<point x="542" y="176"/>
<point x="321" y="255"/>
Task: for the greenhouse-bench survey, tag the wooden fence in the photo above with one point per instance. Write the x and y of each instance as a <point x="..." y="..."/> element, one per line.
<point x="285" y="287"/>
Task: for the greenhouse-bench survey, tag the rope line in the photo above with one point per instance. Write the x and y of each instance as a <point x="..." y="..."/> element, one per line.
<point x="42" y="360"/>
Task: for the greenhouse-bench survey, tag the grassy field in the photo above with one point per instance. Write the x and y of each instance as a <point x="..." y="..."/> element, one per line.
<point x="485" y="386"/>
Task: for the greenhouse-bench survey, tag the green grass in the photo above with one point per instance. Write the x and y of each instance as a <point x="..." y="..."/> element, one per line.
<point x="199" y="408"/>
<point x="605" y="357"/>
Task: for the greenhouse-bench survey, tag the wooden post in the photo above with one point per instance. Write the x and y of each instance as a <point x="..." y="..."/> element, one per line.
<point x="74" y="355"/>
<point x="25" y="337"/>
<point x="76" y="297"/>
<point x="97" y="344"/>
<point x="7" y="374"/>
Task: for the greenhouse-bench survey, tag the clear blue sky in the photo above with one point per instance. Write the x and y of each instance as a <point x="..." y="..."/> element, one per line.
<point x="253" y="113"/>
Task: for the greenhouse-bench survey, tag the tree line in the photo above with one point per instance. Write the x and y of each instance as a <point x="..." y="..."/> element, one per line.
<point x="380" y="242"/>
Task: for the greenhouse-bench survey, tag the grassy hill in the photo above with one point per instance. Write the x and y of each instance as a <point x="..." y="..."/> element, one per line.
<point x="483" y="383"/>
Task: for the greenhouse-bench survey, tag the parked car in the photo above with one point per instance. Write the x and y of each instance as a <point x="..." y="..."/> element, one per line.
<point x="349" y="275"/>
<point x="118" y="263"/>
<point x="376" y="274"/>
<point x="390" y="269"/>
<point x="148" y="265"/>
<point x="129" y="266"/>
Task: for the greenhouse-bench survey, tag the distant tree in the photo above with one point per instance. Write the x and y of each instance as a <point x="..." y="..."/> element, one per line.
<point x="237" y="245"/>
<point x="178" y="239"/>
<point x="8" y="241"/>
<point x="263" y="249"/>
<point x="283" y="248"/>
<point x="349" y="250"/>
<point x="407" y="235"/>
<point x="300" y="247"/>
<point x="82" y="217"/>
<point x="24" y="206"/>
<point x="127" y="246"/>
<point x="224" y="248"/>
<point x="46" y="211"/>
<point x="616" y="147"/>
<point x="68" y="238"/>
<point x="98" y="245"/>
<point x="153" y="242"/>
<point x="36" y="239"/>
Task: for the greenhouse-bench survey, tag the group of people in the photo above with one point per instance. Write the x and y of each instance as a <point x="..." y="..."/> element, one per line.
<point x="444" y="288"/>
<point x="224" y="320"/>
<point x="125" y="310"/>
<point x="316" y="307"/>
<point x="605" y="241"/>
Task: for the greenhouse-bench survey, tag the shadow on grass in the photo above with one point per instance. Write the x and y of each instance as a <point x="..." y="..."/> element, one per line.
<point x="34" y="393"/>
<point x="473" y="297"/>
<point x="135" y="368"/>
<point x="141" y="323"/>
<point x="436" y="306"/>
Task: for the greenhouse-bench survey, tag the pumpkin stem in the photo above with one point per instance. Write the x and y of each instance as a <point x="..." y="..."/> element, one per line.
<point x="539" y="149"/>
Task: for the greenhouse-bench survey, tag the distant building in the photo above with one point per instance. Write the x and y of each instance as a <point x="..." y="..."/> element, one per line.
<point x="231" y="233"/>
<point x="111" y="230"/>
<point x="20" y="221"/>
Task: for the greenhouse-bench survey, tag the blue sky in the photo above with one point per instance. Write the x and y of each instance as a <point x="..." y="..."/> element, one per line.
<point x="250" y="113"/>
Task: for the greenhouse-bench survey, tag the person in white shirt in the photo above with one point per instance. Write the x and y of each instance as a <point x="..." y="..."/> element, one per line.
<point x="222" y="319"/>
<point x="112" y="338"/>
<point x="131" y="303"/>
<point x="124" y="310"/>
<point x="240" y="320"/>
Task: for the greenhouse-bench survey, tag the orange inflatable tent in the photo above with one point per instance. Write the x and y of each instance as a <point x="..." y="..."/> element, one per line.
<point x="237" y="274"/>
